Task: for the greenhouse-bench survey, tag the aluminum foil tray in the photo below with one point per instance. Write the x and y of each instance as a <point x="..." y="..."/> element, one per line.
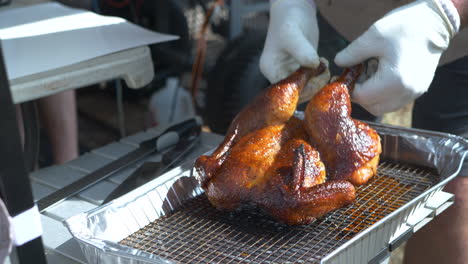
<point x="169" y="220"/>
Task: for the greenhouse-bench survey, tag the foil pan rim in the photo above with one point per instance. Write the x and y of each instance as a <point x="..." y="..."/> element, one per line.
<point x="81" y="228"/>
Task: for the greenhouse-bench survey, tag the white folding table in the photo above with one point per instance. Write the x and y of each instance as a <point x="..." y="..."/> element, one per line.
<point x="135" y="67"/>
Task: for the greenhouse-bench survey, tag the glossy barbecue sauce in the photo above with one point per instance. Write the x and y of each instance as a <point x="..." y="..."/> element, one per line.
<point x="345" y="144"/>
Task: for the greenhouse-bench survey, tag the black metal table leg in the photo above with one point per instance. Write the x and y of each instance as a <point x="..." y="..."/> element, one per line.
<point x="15" y="188"/>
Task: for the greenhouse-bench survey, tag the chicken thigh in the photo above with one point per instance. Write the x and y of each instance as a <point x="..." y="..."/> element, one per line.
<point x="350" y="148"/>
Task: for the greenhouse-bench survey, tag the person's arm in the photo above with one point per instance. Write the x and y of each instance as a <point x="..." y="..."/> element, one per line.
<point x="408" y="43"/>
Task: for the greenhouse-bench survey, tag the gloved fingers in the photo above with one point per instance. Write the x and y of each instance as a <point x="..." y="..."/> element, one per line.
<point x="290" y="65"/>
<point x="375" y="109"/>
<point x="382" y="93"/>
<point x="286" y="66"/>
<point x="269" y="65"/>
<point x="378" y="88"/>
<point x="387" y="106"/>
<point x="277" y="65"/>
<point x="359" y="50"/>
<point x="299" y="47"/>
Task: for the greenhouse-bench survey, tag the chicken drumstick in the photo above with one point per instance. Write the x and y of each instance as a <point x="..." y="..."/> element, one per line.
<point x="349" y="148"/>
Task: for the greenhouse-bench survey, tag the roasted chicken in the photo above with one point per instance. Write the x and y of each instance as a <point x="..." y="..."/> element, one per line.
<point x="350" y="148"/>
<point x="267" y="159"/>
<point x="276" y="169"/>
<point x="274" y="106"/>
<point x="273" y="160"/>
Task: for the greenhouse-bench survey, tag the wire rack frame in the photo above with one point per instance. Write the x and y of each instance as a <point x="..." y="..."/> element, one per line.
<point x="198" y="233"/>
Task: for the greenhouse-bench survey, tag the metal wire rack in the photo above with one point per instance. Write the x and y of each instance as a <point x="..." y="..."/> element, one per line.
<point x="198" y="233"/>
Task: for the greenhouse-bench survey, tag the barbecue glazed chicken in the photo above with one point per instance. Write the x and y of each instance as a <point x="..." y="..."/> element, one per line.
<point x="276" y="169"/>
<point x="274" y="106"/>
<point x="267" y="159"/>
<point x="350" y="148"/>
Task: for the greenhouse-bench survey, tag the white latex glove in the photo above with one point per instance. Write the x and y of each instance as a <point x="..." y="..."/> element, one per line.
<point x="292" y="39"/>
<point x="407" y="43"/>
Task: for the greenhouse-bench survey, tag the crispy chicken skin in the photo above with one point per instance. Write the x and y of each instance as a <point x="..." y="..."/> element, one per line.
<point x="276" y="169"/>
<point x="267" y="160"/>
<point x="296" y="191"/>
<point x="274" y="106"/>
<point x="243" y="172"/>
<point x="350" y="149"/>
<point x="305" y="204"/>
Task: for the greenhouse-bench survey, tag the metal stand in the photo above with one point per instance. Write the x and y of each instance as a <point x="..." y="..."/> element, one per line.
<point x="15" y="188"/>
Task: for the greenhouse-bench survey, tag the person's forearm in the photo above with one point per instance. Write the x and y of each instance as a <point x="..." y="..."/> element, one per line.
<point x="462" y="8"/>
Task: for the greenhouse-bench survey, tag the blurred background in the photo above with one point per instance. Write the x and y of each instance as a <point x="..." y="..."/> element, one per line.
<point x="211" y="70"/>
<point x="221" y="57"/>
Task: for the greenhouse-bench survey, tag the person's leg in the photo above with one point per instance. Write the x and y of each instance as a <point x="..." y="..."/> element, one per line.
<point x="445" y="239"/>
<point x="445" y="108"/>
<point x="59" y="118"/>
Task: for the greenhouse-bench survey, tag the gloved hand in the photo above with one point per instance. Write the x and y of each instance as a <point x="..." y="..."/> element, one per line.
<point x="292" y="39"/>
<point x="407" y="43"/>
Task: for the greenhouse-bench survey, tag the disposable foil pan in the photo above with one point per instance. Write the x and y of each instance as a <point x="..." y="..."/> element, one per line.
<point x="100" y="230"/>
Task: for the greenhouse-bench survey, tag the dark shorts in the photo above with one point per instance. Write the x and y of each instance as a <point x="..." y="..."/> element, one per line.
<point x="444" y="107"/>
